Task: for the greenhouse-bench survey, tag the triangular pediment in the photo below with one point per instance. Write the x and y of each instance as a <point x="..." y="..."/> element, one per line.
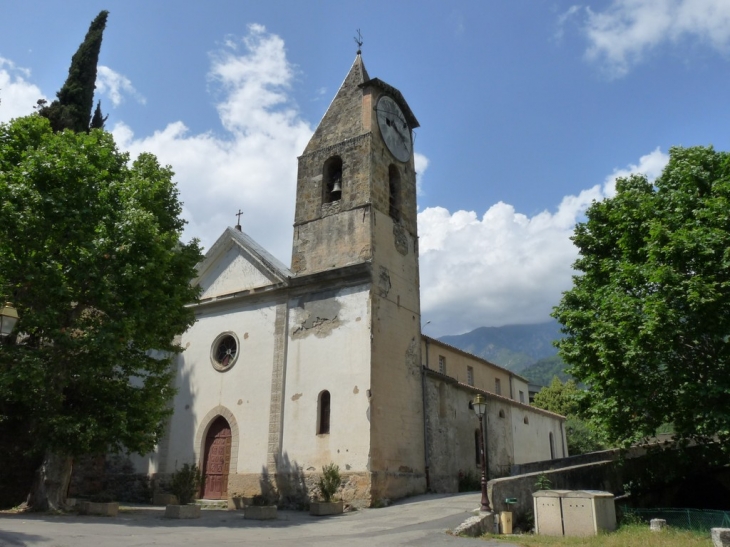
<point x="236" y="263"/>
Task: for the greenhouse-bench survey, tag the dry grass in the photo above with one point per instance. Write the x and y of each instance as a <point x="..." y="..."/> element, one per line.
<point x="635" y="535"/>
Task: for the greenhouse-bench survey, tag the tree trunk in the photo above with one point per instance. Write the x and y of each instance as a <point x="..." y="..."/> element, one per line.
<point x="50" y="485"/>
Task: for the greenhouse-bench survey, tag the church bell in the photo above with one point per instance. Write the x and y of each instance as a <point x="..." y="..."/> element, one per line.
<point x="337" y="188"/>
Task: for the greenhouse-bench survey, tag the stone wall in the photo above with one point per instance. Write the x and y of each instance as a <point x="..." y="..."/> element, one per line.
<point x="604" y="475"/>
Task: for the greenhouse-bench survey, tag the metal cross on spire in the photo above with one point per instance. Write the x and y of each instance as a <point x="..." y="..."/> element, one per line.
<point x="358" y="41"/>
<point x="238" y="214"/>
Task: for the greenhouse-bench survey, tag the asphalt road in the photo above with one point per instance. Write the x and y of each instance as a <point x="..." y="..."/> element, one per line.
<point x="422" y="521"/>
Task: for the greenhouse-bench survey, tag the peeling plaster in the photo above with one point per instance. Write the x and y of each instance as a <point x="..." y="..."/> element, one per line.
<point x="384" y="282"/>
<point x="317" y="314"/>
<point x="400" y="239"/>
<point x="356" y="391"/>
<point x="296" y="396"/>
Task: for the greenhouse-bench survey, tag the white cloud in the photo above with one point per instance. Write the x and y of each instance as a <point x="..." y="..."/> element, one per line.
<point x="253" y="165"/>
<point x="17" y="95"/>
<point x="621" y="35"/>
<point x="505" y="267"/>
<point x="115" y="86"/>
<point x="651" y="165"/>
<point x="564" y="18"/>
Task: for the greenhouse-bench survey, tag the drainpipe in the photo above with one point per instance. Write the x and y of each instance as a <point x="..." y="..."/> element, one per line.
<point x="425" y="427"/>
<point x="511" y="391"/>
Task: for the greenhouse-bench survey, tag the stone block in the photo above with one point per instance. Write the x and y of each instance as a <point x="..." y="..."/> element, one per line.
<point x="657" y="525"/>
<point x="476" y="526"/>
<point x="720" y="537"/>
<point x="323" y="508"/>
<point x="110" y="509"/>
<point x="257" y="512"/>
<point x="182" y="511"/>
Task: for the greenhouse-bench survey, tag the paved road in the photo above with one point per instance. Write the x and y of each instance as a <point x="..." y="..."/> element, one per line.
<point x="421" y="521"/>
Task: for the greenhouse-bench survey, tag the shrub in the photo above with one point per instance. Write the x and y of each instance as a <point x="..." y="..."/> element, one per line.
<point x="543" y="482"/>
<point x="330" y="481"/>
<point x="185" y="483"/>
<point x="102" y="497"/>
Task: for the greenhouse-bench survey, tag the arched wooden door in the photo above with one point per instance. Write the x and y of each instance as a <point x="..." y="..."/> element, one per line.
<point x="217" y="460"/>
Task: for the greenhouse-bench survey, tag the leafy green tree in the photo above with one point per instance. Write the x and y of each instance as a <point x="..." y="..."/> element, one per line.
<point x="565" y="399"/>
<point x="647" y="321"/>
<point x="92" y="258"/>
<point x="559" y="397"/>
<point x="72" y="109"/>
<point x="582" y="437"/>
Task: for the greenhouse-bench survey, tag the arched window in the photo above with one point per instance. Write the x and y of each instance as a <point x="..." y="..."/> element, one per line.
<point x="477" y="448"/>
<point x="394" y="192"/>
<point x="501" y="413"/>
<point x="323" y="413"/>
<point x="332" y="177"/>
<point x="552" y="447"/>
<point x="526" y="420"/>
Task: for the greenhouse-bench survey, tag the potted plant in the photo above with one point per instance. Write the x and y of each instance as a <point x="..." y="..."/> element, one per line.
<point x="329" y="483"/>
<point x="184" y="485"/>
<point x="263" y="505"/>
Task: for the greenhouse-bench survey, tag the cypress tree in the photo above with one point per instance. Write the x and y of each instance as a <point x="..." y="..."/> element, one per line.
<point x="98" y="121"/>
<point x="72" y="109"/>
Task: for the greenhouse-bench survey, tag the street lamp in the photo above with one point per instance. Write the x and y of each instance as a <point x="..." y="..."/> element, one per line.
<point x="479" y="404"/>
<point x="8" y="318"/>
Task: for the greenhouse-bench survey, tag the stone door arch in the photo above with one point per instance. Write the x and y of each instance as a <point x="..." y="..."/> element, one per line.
<point x="203" y="435"/>
<point x="217" y="460"/>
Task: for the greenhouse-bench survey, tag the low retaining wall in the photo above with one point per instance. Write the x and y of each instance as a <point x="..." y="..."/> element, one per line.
<point x="603" y="475"/>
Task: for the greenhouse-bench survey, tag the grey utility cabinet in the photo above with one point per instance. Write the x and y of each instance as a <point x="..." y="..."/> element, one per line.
<point x="573" y="512"/>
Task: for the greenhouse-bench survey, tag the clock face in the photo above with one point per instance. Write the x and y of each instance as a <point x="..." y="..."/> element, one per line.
<point x="394" y="128"/>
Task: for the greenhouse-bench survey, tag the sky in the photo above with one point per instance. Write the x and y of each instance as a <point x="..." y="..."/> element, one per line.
<point x="529" y="110"/>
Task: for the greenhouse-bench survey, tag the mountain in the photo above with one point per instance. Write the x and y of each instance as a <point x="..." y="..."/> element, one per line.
<point x="543" y="371"/>
<point x="514" y="347"/>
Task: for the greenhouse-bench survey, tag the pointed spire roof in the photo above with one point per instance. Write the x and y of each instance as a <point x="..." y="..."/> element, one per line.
<point x="343" y="119"/>
<point x="358" y="63"/>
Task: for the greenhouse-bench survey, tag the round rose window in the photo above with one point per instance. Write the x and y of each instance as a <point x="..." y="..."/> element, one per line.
<point x="224" y="352"/>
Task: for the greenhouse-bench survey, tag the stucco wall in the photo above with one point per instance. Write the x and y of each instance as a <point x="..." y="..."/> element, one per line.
<point x="328" y="349"/>
<point x="397" y="458"/>
<point x="451" y="428"/>
<point x="531" y="432"/>
<point x="486" y="374"/>
<point x="243" y="390"/>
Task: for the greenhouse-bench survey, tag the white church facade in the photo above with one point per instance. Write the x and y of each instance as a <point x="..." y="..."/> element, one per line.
<point x="288" y="369"/>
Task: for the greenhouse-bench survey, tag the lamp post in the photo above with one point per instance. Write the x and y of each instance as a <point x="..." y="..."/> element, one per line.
<point x="479" y="404"/>
<point x="8" y="318"/>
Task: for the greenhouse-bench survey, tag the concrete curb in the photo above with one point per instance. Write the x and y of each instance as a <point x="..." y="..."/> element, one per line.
<point x="476" y="526"/>
<point x="720" y="537"/>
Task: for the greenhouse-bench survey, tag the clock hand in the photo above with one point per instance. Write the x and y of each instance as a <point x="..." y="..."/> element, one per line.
<point x="400" y="133"/>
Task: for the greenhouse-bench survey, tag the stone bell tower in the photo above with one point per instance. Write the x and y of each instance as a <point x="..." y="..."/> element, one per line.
<point x="347" y="173"/>
<point x="356" y="205"/>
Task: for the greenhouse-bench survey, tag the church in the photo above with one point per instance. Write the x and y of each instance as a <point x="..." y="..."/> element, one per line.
<point x="288" y="369"/>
